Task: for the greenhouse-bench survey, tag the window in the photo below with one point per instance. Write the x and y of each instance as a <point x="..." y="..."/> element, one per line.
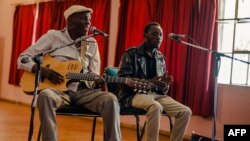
<point x="234" y="41"/>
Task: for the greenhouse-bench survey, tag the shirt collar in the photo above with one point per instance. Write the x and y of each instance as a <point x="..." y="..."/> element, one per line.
<point x="66" y="33"/>
<point x="142" y="50"/>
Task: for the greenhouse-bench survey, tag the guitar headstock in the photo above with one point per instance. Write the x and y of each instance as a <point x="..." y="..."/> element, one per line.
<point x="139" y="85"/>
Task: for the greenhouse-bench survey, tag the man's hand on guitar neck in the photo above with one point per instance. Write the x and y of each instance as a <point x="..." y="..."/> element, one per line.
<point x="138" y="84"/>
<point x="50" y="74"/>
<point x="99" y="81"/>
<point x="162" y="83"/>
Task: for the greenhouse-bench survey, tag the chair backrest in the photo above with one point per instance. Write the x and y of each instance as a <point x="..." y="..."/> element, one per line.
<point x="111" y="71"/>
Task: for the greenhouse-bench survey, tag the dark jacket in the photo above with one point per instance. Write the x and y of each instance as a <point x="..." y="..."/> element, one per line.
<point x="133" y="64"/>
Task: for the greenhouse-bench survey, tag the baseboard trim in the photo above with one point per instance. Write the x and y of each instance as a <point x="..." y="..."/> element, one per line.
<point x="14" y="102"/>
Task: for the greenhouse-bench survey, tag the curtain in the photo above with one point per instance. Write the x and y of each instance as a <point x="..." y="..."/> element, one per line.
<point x="201" y="64"/>
<point x="192" y="69"/>
<point x="47" y="18"/>
<point x="134" y="14"/>
<point x="51" y="17"/>
<point x="22" y="38"/>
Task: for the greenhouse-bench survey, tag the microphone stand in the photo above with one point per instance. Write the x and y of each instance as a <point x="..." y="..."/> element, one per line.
<point x="217" y="56"/>
<point x="38" y="60"/>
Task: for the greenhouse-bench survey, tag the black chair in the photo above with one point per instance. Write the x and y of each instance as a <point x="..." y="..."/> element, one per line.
<point x="77" y="111"/>
<point x="136" y="112"/>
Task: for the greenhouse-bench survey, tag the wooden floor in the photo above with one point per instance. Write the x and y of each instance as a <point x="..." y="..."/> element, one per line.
<point x="15" y="119"/>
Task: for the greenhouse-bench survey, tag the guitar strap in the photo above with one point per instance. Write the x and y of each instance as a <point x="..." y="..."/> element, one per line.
<point x="84" y="45"/>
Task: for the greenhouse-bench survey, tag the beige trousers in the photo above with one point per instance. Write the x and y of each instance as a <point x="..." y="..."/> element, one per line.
<point x="98" y="101"/>
<point x="154" y="104"/>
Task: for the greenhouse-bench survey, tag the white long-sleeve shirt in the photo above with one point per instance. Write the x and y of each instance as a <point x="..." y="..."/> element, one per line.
<point x="60" y="38"/>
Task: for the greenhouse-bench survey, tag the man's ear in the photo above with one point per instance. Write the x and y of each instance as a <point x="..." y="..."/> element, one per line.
<point x="145" y="35"/>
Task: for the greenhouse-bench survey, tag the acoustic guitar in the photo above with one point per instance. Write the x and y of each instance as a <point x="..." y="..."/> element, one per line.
<point x="28" y="78"/>
<point x="71" y="70"/>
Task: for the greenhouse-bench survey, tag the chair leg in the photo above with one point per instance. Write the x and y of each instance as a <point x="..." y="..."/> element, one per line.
<point x="138" y="128"/>
<point x="39" y="134"/>
<point x="104" y="136"/>
<point x="171" y="123"/>
<point x="143" y="130"/>
<point x="93" y="129"/>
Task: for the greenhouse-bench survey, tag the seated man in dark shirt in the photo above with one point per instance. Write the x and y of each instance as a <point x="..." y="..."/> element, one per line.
<point x="147" y="62"/>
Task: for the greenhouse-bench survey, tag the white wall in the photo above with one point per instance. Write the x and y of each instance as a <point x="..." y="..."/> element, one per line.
<point x="26" y="1"/>
<point x="10" y="92"/>
<point x="233" y="101"/>
<point x="113" y="31"/>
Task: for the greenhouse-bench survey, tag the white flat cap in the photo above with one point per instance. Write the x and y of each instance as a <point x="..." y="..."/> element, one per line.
<point x="75" y="9"/>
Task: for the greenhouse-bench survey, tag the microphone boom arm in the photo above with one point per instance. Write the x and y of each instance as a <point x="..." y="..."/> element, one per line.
<point x="74" y="42"/>
<point x="211" y="51"/>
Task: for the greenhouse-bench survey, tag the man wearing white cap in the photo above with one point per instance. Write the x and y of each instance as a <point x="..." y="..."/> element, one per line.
<point x="84" y="93"/>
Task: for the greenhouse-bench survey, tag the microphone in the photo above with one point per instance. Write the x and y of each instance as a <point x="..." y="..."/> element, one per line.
<point x="94" y="30"/>
<point x="176" y="36"/>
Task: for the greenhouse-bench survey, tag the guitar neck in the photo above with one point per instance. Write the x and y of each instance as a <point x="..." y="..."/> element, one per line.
<point x="80" y="76"/>
<point x="91" y="77"/>
<point x="114" y="79"/>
